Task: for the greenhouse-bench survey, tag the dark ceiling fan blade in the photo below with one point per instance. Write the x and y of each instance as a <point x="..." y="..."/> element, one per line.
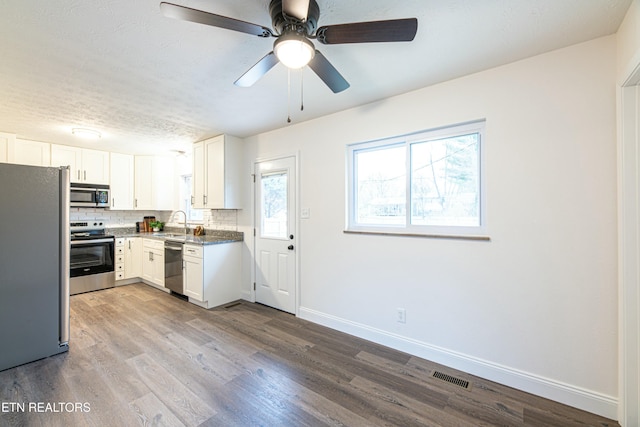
<point x="187" y="14"/>
<point x="327" y="72"/>
<point x="257" y="71"/>
<point x="395" y="30"/>
<point x="296" y="8"/>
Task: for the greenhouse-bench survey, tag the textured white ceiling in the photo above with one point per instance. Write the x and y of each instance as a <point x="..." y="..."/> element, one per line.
<point x="148" y="82"/>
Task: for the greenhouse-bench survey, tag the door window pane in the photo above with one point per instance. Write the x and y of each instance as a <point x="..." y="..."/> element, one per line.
<point x="275" y="211"/>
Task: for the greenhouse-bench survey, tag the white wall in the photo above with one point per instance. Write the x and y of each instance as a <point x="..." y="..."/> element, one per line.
<point x="628" y="40"/>
<point x="536" y="307"/>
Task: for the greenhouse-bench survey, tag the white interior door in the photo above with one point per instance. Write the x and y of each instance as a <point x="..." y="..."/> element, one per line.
<point x="275" y="242"/>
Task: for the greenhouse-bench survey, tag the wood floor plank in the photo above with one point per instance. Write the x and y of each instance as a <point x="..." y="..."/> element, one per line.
<point x="405" y="410"/>
<point x="140" y="356"/>
<point x="187" y="406"/>
<point x="152" y="412"/>
<point x="322" y="409"/>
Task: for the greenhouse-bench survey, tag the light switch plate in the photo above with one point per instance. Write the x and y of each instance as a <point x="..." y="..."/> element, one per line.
<point x="305" y="213"/>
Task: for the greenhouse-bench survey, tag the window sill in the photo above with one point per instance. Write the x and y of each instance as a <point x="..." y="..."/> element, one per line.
<point x="428" y="236"/>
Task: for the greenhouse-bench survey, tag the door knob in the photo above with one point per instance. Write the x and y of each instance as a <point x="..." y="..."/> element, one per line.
<point x="290" y="247"/>
<point x="291" y="236"/>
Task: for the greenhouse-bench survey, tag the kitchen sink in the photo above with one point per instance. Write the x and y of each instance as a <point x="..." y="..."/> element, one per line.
<point x="178" y="237"/>
<point x="172" y="236"/>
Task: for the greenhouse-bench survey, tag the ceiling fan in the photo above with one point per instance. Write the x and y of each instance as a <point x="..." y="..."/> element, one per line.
<point x="294" y="26"/>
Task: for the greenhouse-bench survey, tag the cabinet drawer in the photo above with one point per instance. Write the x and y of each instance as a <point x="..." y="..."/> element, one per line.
<point x="193" y="251"/>
<point x="119" y="259"/>
<point x="120" y="241"/>
<point x="119" y="275"/>
<point x="119" y="267"/>
<point x="153" y="244"/>
<point x="119" y="250"/>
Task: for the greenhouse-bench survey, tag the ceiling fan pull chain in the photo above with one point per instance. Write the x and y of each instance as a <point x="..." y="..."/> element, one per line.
<point x="302" y="89"/>
<point x="288" y="95"/>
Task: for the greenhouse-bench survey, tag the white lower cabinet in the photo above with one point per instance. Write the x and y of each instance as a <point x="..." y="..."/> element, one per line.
<point x="153" y="261"/>
<point x="193" y="283"/>
<point x="132" y="257"/>
<point x="212" y="273"/>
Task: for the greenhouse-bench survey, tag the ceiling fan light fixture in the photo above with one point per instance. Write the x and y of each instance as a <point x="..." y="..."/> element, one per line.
<point x="293" y="50"/>
<point x="86" y="133"/>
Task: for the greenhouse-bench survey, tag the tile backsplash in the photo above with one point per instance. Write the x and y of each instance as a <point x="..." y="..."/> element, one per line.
<point x="214" y="219"/>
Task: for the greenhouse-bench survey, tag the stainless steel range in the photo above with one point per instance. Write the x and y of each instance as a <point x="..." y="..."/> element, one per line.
<point x="92" y="257"/>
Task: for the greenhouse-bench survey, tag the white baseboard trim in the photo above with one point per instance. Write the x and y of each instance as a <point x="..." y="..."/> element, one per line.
<point x="587" y="400"/>
<point x="246" y="295"/>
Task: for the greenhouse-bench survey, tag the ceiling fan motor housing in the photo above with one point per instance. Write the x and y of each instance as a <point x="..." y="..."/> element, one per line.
<point x="285" y="24"/>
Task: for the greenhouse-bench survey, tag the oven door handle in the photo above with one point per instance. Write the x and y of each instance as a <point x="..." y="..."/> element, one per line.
<point x="90" y="242"/>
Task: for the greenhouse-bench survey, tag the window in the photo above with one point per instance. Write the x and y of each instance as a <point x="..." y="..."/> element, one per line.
<point x="274" y="197"/>
<point x="428" y="183"/>
<point x="185" y="200"/>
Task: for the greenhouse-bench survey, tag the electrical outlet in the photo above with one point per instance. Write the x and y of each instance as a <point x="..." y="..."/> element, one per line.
<point x="402" y="315"/>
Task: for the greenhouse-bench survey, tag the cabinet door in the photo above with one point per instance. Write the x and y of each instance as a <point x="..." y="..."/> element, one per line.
<point x="198" y="178"/>
<point x="34" y="153"/>
<point x="158" y="267"/>
<point x="63" y="155"/>
<point x="132" y="257"/>
<point x="193" y="278"/>
<point x="95" y="167"/>
<point x="121" y="181"/>
<point x="143" y="180"/>
<point x="147" y="264"/>
<point x="215" y="183"/>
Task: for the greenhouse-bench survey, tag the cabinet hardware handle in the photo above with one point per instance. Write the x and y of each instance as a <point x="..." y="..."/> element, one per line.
<point x="85" y="175"/>
<point x="204" y="199"/>
<point x="193" y="199"/>
<point x="135" y="205"/>
<point x="129" y="244"/>
<point x="78" y="174"/>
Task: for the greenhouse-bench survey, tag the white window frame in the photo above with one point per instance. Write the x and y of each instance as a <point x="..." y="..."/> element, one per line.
<point x="409" y="229"/>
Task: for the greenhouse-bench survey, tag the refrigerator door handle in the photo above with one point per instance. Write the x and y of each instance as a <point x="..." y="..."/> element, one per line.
<point x="65" y="253"/>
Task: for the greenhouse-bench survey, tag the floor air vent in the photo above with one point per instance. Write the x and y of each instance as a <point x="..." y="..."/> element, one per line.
<point x="453" y="380"/>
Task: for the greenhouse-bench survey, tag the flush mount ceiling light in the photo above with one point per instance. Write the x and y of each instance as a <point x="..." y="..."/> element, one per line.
<point x="293" y="50"/>
<point x="86" y="133"/>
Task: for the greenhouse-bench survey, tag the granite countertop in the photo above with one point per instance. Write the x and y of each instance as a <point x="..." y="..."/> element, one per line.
<point x="212" y="237"/>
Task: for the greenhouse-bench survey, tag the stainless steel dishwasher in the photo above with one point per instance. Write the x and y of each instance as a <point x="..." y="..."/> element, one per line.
<point x="173" y="267"/>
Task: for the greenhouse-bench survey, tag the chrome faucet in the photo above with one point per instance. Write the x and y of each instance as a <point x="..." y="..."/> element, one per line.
<point x="185" y="220"/>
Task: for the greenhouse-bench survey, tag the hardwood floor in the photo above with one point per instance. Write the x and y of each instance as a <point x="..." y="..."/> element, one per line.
<point x="139" y="356"/>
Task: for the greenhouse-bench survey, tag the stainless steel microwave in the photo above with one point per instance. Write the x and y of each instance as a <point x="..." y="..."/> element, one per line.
<point x="89" y="196"/>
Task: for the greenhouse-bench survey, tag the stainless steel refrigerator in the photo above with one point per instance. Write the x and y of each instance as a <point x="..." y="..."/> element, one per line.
<point x="34" y="263"/>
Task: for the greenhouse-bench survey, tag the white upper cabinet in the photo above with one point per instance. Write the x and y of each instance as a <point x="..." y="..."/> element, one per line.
<point x="96" y="166"/>
<point x="216" y="173"/>
<point x="121" y="181"/>
<point x="5" y="139"/>
<point x="25" y="152"/>
<point x="87" y="166"/>
<point x="155" y="183"/>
